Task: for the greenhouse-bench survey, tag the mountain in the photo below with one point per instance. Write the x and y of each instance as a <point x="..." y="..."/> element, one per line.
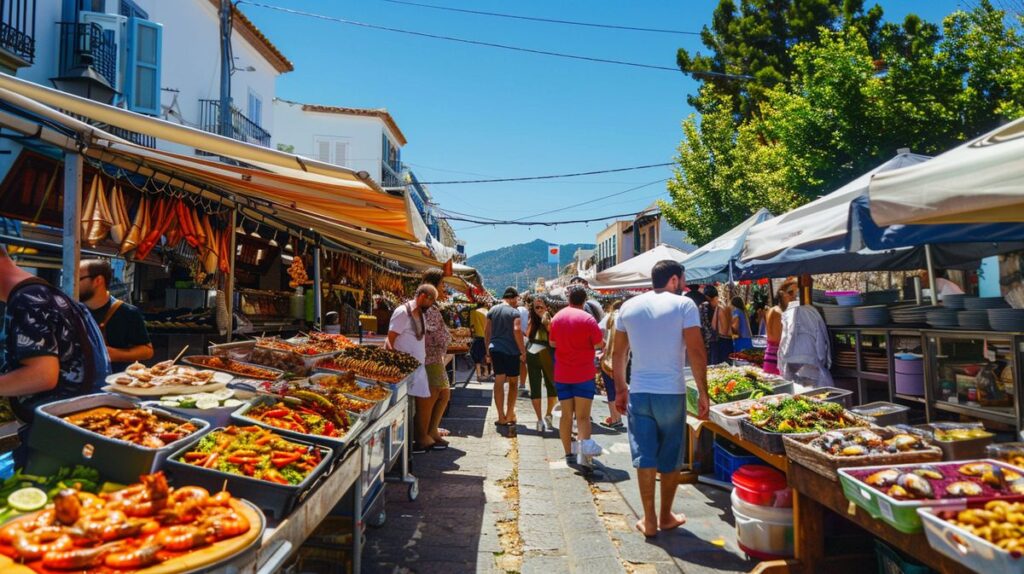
<point x="520" y="265"/>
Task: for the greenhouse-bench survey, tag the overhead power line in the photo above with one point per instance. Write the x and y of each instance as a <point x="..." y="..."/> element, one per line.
<point x="539" y="223"/>
<point x="547" y="20"/>
<point x="489" y="44"/>
<point x="536" y="177"/>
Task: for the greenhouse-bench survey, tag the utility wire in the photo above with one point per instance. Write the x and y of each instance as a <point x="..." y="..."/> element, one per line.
<point x="548" y="20"/>
<point x="540" y="223"/>
<point x="491" y="44"/>
<point x="536" y="177"/>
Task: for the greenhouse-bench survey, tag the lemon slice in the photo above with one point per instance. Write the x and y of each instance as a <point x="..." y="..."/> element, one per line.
<point x="27" y="499"/>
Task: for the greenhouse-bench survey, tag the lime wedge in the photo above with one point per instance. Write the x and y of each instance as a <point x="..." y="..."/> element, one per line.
<point x="27" y="499"/>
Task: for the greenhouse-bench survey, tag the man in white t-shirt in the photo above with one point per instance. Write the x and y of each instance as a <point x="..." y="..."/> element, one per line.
<point x="660" y="327"/>
<point x="406" y="333"/>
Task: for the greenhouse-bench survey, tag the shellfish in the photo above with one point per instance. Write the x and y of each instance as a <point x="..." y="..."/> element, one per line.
<point x="929" y="472"/>
<point x="883" y="477"/>
<point x="853" y="450"/>
<point x="964" y="488"/>
<point x="915" y="485"/>
<point x="975" y="468"/>
<point x="903" y="441"/>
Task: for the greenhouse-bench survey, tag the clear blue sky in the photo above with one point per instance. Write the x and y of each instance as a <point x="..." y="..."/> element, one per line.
<point x="472" y="111"/>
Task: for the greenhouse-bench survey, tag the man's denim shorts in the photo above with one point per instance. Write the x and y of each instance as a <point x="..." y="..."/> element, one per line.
<point x="657" y="431"/>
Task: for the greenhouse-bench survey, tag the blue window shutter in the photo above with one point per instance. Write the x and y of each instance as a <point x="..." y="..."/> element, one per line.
<point x="142" y="72"/>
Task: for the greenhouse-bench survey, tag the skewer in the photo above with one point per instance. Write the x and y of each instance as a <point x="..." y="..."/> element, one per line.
<point x="180" y="353"/>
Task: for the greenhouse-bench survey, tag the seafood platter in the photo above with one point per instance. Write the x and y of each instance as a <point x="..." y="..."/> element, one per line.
<point x="829" y="451"/>
<point x="259" y="464"/>
<point x="767" y="423"/>
<point x="233" y="367"/>
<point x="985" y="538"/>
<point x="165" y="378"/>
<point x="148" y="527"/>
<point x="894" y="493"/>
<point x="108" y="432"/>
<point x="298" y="356"/>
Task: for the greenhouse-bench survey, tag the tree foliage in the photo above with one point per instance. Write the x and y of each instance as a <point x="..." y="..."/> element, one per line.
<point x="856" y="90"/>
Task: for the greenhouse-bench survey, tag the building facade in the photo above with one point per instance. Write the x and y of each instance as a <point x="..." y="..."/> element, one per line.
<point x="614" y="244"/>
<point x="148" y="53"/>
<point x="650" y="229"/>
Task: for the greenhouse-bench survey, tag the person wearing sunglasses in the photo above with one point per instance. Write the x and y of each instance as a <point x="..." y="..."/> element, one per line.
<point x="787" y="293"/>
<point x="122" y="325"/>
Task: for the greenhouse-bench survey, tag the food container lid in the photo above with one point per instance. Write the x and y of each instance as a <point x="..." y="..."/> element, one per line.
<point x="909" y="357"/>
<point x="759" y="478"/>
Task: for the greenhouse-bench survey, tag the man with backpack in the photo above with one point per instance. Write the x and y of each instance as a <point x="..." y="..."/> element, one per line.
<point x="50" y="346"/>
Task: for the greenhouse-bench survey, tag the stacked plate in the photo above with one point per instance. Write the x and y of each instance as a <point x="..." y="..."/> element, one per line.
<point x="837" y="315"/>
<point x="976" y="320"/>
<point x="980" y="303"/>
<point x="872" y="315"/>
<point x="943" y="318"/>
<point x="876" y="363"/>
<point x="954" y="300"/>
<point x="846" y="359"/>
<point x="910" y="315"/>
<point x="1006" y="319"/>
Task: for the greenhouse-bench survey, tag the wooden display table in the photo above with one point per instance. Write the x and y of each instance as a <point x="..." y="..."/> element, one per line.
<point x="813" y="496"/>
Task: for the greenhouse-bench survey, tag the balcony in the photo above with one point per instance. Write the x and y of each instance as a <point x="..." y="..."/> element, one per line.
<point x="87" y="44"/>
<point x="242" y="128"/>
<point x="18" y="30"/>
<point x="390" y="176"/>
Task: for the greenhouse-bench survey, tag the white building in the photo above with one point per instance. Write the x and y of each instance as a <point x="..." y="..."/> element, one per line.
<point x="163" y="59"/>
<point x="361" y="139"/>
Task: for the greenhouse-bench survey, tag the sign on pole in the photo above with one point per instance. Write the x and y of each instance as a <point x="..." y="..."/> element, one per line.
<point x="553" y="252"/>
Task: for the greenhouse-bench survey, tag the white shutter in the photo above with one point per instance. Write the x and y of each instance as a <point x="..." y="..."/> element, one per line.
<point x="340" y="153"/>
<point x="323" y="150"/>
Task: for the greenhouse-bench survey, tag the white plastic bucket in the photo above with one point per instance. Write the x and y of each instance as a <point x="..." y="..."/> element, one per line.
<point x="763" y="529"/>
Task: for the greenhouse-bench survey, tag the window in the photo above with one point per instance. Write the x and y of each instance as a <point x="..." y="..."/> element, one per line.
<point x="130" y="9"/>
<point x="255" y="108"/>
<point x="329" y="149"/>
<point x="142" y="73"/>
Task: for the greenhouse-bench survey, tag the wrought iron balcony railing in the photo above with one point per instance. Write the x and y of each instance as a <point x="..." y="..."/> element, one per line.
<point x="18" y="28"/>
<point x="242" y="128"/>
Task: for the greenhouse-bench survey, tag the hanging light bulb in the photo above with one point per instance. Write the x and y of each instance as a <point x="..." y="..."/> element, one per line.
<point x="273" y="240"/>
<point x="288" y="245"/>
<point x="255" y="231"/>
<point x="240" y="228"/>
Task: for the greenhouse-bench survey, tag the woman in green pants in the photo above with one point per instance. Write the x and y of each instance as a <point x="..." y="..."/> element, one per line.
<point x="540" y="361"/>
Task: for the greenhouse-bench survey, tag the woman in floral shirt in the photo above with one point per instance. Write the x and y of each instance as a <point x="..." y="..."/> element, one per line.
<point x="429" y="412"/>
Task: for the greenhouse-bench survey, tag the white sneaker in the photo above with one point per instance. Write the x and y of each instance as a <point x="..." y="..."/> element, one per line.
<point x="575" y="447"/>
<point x="583" y="460"/>
<point x="540" y="426"/>
<point x="548" y="422"/>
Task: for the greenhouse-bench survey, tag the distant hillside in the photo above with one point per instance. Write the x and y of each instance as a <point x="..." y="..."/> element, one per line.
<point x="530" y="260"/>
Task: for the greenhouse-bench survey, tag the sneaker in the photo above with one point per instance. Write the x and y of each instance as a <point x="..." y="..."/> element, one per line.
<point x="570" y="459"/>
<point x="582" y="459"/>
<point x="548" y="422"/>
<point x="540" y="426"/>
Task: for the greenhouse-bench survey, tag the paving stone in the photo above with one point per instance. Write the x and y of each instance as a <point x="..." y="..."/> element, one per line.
<point x="590" y="545"/>
<point x="545" y="564"/>
<point x="598" y="565"/>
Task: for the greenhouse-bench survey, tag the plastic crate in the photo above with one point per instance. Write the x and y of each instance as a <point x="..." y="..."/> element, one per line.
<point x="728" y="458"/>
<point x="892" y="562"/>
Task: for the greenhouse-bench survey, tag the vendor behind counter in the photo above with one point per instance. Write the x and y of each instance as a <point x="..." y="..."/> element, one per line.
<point x="123" y="326"/>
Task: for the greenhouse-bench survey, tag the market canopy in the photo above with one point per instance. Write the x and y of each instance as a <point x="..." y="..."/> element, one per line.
<point x="981" y="181"/>
<point x="823" y="223"/>
<point x="635" y="273"/>
<point x="715" y="261"/>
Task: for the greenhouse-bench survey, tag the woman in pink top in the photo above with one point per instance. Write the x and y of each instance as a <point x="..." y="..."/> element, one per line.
<point x="575" y="336"/>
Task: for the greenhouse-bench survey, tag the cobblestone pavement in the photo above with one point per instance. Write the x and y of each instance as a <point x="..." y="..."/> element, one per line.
<point x="561" y="521"/>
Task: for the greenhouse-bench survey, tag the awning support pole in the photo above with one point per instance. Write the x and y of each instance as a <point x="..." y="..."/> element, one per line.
<point x="931" y="274"/>
<point x="318" y="292"/>
<point x="72" y="242"/>
<point x="229" y="288"/>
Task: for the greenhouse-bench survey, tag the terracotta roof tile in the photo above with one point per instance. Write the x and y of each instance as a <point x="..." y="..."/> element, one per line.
<point x="245" y="27"/>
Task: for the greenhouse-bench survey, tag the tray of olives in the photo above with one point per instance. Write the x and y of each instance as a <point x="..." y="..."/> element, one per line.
<point x="894" y="493"/>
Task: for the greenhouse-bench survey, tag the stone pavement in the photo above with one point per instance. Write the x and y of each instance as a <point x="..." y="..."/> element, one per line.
<point x="495" y="504"/>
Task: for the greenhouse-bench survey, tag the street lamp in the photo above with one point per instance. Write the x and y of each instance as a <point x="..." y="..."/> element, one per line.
<point x="84" y="81"/>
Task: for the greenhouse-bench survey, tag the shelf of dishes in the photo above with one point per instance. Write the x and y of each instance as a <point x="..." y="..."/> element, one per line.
<point x="956" y="312"/>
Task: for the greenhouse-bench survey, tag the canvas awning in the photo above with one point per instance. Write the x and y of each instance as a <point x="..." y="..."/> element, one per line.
<point x="716" y="260"/>
<point x="635" y="273"/>
<point x="822" y="223"/>
<point x="981" y="181"/>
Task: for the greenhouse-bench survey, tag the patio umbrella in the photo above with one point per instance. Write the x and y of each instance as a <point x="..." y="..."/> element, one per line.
<point x="715" y="261"/>
<point x="635" y="273"/>
<point x="981" y="181"/>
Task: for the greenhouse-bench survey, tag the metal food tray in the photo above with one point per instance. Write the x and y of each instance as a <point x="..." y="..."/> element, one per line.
<point x="379" y="406"/>
<point x="276" y="500"/>
<point x="189" y="361"/>
<point x="55" y="442"/>
<point x="238" y="350"/>
<point x="959" y="545"/>
<point x="398" y="390"/>
<point x="304" y="364"/>
<point x="338" y="444"/>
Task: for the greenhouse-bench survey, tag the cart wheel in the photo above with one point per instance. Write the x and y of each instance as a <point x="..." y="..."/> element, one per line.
<point x="377" y="520"/>
<point x="414" y="490"/>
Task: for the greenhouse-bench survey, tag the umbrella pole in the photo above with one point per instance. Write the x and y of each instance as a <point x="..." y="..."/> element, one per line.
<point x="931" y="274"/>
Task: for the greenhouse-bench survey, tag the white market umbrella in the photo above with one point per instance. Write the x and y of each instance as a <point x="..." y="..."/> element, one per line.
<point x="823" y="221"/>
<point x="635" y="273"/>
<point x="714" y="261"/>
<point x="981" y="181"/>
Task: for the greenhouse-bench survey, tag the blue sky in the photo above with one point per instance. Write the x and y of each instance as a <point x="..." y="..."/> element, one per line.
<point x="471" y="112"/>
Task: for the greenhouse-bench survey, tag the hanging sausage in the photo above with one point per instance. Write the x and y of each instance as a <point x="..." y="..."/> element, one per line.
<point x="162" y="215"/>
